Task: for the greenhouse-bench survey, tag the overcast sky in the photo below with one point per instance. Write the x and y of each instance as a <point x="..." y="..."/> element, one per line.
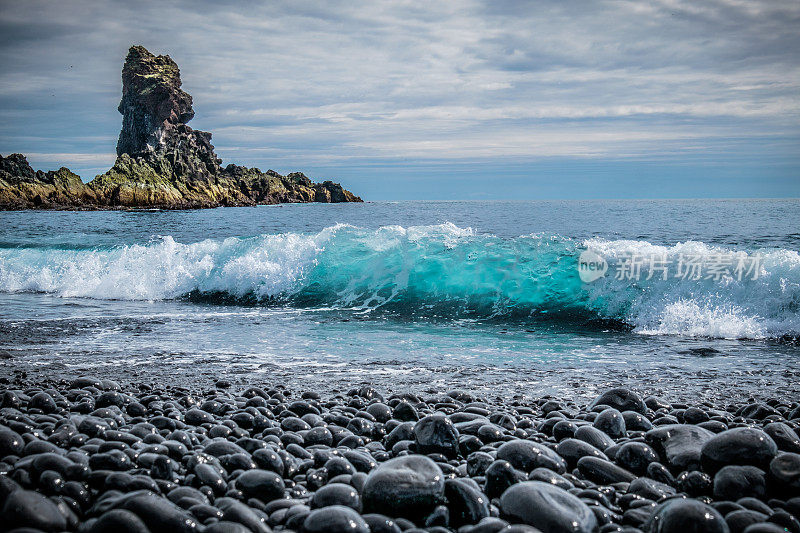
<point x="439" y="100"/>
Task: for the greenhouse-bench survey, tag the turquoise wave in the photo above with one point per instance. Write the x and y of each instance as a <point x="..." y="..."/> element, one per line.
<point x="441" y="272"/>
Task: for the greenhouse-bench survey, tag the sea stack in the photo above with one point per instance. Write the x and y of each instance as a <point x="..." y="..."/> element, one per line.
<point x="154" y="115"/>
<point x="153" y="104"/>
<point x="161" y="161"/>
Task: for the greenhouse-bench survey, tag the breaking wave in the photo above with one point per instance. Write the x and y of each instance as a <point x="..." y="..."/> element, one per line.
<point x="440" y="271"/>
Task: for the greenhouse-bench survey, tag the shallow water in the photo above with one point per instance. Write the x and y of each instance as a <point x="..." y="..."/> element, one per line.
<point x="484" y="295"/>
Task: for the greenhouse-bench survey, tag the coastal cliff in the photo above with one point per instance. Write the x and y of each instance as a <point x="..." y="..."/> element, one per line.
<point x="161" y="161"/>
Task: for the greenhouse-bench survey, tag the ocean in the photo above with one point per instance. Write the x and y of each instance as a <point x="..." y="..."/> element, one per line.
<point x="427" y="295"/>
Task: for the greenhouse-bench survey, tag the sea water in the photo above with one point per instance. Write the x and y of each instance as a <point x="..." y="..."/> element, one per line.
<point x="482" y="295"/>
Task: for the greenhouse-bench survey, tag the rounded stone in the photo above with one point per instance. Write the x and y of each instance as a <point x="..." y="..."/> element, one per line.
<point x="526" y="455"/>
<point x="337" y="466"/>
<point x="195" y="417"/>
<point x="547" y="508"/>
<point x="564" y="429"/>
<point x="610" y="422"/>
<point x="595" y="437"/>
<point x="573" y="449"/>
<point x="436" y="434"/>
<point x="764" y="527"/>
<point x="635" y="456"/>
<point x="785" y="472"/>
<point x="43" y="401"/>
<point x="379" y="523"/>
<point x="111" y="460"/>
<point x="237" y="461"/>
<point x="220" y="447"/>
<point x="51" y="482"/>
<point x="25" y="508"/>
<point x="335" y="519"/>
<point x="405" y="412"/>
<point x="465" y="503"/>
<point x="404" y="431"/>
<point x="738" y="446"/>
<point x="336" y="494"/>
<point x="679" y="444"/>
<point x="650" y="488"/>
<point x="319" y="435"/>
<point x="292" y="423"/>
<point x="477" y="463"/>
<point x="660" y="473"/>
<point x="733" y="482"/>
<point x="694" y="483"/>
<point x="381" y="412"/>
<point x="11" y="442"/>
<point x="621" y="399"/>
<point x="268" y="459"/>
<point x="695" y="415"/>
<point x="604" y="472"/>
<point x="85" y="381"/>
<point x="210" y="476"/>
<point x="636" y="421"/>
<point x="785" y="437"/>
<point x="739" y="520"/>
<point x="500" y="475"/>
<point x="50" y="461"/>
<point x="262" y="484"/>
<point x="118" y="521"/>
<point x="236" y="511"/>
<point x="110" y="398"/>
<point x="681" y="515"/>
<point x="409" y="486"/>
<point x="757" y="411"/>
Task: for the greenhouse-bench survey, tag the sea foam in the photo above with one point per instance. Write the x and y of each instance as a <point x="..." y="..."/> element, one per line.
<point x="441" y="271"/>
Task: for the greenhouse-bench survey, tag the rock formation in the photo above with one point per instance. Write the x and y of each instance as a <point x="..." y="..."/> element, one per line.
<point x="153" y="103"/>
<point x="23" y="188"/>
<point x="161" y="161"/>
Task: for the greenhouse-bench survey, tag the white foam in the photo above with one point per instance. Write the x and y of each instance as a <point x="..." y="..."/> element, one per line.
<point x="691" y="319"/>
<point x="165" y="269"/>
<point x="768" y="306"/>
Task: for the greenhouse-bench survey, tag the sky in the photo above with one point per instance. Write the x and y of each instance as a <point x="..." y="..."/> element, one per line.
<point x="416" y="100"/>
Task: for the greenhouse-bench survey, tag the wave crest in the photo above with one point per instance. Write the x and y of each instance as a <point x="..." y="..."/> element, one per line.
<point x="438" y="271"/>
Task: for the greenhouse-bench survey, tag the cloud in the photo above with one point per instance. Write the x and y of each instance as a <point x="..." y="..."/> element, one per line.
<point x="303" y="81"/>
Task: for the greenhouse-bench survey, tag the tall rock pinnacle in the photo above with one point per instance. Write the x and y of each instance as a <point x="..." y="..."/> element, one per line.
<point x="154" y="115"/>
<point x="153" y="103"/>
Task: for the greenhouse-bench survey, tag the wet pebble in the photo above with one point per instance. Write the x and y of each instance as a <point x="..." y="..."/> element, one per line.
<point x="686" y="516"/>
<point x="738" y="446"/>
<point x="404" y="486"/>
<point x="262" y="484"/>
<point x="25" y="508"/>
<point x="335" y="519"/>
<point x="547" y="508"/>
<point x="96" y="456"/>
<point x="436" y="434"/>
<point x="734" y="481"/>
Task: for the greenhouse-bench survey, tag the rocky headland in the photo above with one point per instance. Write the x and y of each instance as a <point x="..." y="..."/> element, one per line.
<point x="161" y="161"/>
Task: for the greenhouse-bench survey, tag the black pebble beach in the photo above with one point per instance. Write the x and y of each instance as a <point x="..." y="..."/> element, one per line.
<point x="93" y="456"/>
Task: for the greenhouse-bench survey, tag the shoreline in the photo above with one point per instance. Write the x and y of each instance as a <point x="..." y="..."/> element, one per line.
<point x="91" y="454"/>
<point x="714" y="386"/>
